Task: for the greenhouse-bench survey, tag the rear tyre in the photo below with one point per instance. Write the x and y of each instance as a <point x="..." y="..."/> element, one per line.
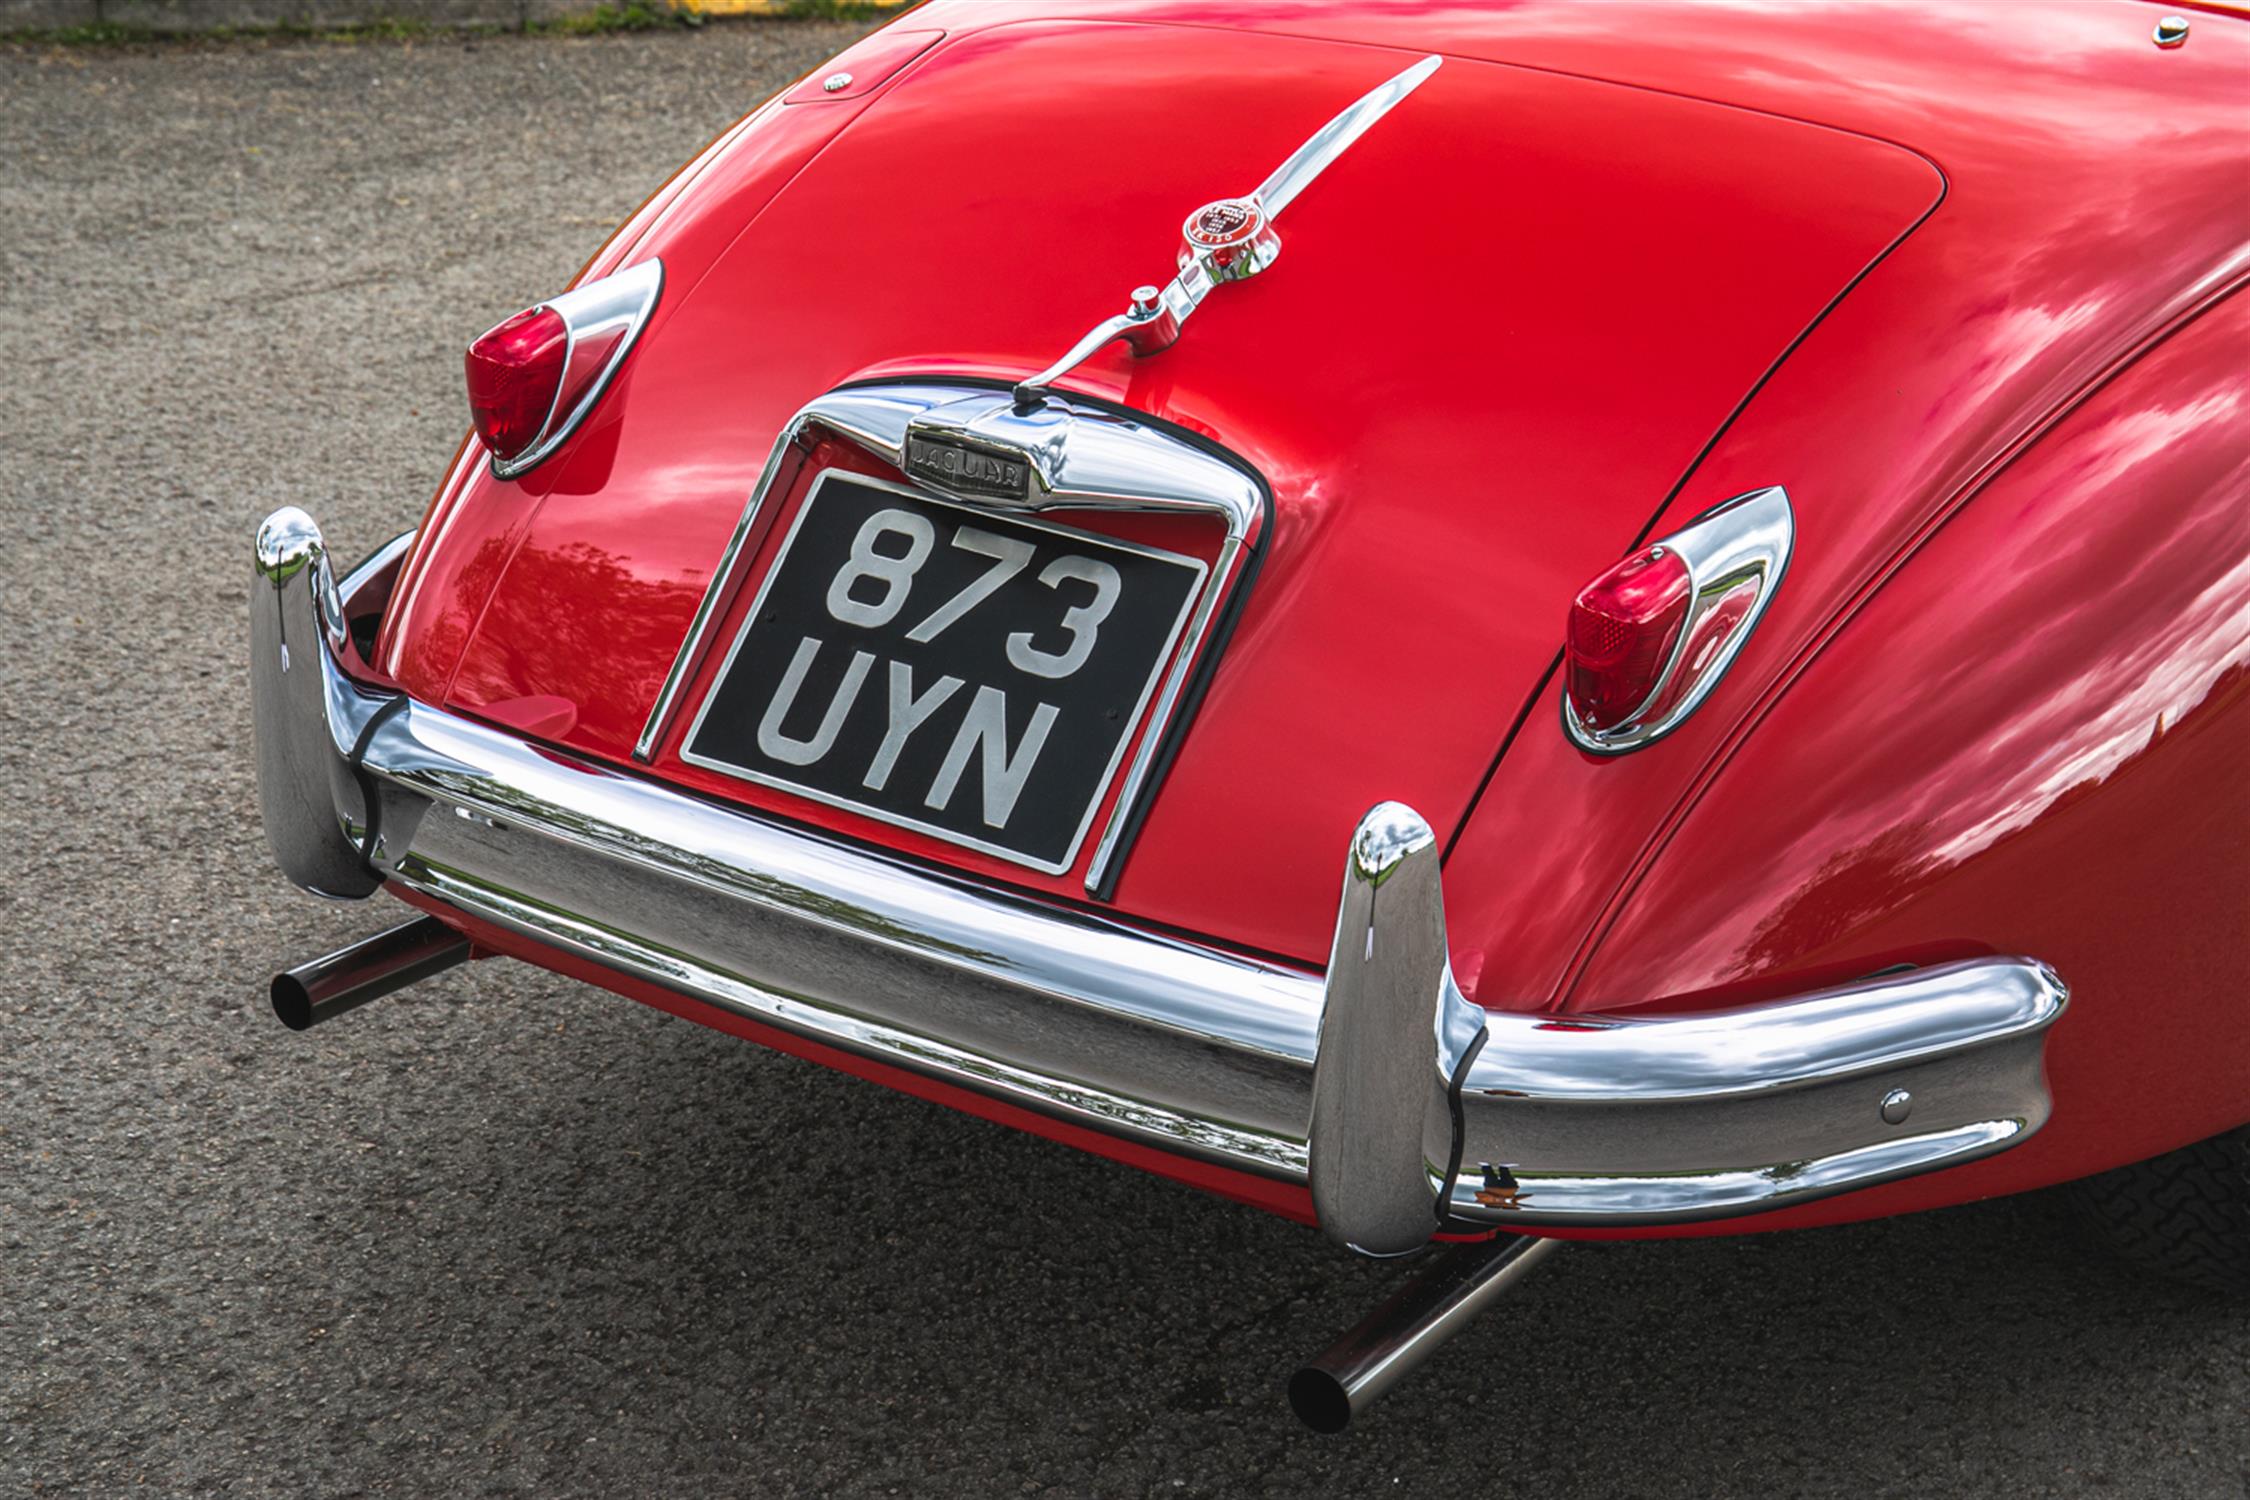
<point x="2184" y="1215"/>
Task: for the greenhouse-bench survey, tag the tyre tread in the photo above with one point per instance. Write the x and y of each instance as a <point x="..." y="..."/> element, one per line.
<point x="2184" y="1215"/>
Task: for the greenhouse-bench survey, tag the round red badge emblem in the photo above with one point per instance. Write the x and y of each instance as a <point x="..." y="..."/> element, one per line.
<point x="1224" y="224"/>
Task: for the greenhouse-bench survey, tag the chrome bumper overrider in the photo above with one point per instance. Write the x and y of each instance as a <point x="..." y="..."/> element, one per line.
<point x="1396" y="1098"/>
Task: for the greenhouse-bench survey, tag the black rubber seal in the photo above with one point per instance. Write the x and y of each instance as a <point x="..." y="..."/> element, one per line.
<point x="1453" y="1089"/>
<point x="368" y="799"/>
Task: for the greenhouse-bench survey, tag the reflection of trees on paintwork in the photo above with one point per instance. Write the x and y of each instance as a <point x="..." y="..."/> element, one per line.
<point x="565" y="607"/>
<point x="444" y="628"/>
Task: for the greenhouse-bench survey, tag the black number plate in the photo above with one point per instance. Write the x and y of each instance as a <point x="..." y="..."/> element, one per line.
<point x="970" y="675"/>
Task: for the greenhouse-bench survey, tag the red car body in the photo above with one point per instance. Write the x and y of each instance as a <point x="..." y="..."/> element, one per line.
<point x="1963" y="278"/>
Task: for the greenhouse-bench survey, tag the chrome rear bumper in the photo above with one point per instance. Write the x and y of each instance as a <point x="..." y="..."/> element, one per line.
<point x="1398" y="1100"/>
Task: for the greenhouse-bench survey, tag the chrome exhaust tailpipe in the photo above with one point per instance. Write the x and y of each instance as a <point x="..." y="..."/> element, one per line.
<point x="324" y="988"/>
<point x="1393" y="1340"/>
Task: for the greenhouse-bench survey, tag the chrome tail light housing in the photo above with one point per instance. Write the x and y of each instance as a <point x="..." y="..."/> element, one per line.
<point x="1649" y="639"/>
<point x="534" y="378"/>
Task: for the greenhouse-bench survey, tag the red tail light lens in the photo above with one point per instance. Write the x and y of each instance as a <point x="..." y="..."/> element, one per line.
<point x="515" y="373"/>
<point x="535" y="378"/>
<point x="1622" y="629"/>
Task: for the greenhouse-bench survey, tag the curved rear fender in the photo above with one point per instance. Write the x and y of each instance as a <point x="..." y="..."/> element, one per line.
<point x="2030" y="739"/>
<point x="474" y="523"/>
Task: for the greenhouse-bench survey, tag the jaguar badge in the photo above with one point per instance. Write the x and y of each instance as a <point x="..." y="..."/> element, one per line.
<point x="957" y="468"/>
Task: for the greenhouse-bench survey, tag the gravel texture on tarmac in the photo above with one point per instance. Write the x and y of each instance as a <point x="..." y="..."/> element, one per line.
<point x="506" y="1234"/>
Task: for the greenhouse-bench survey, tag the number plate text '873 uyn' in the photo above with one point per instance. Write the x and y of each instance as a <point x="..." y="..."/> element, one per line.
<point x="970" y="675"/>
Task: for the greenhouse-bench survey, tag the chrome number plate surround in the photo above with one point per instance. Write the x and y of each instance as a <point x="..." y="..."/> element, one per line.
<point x="1055" y="750"/>
<point x="973" y="446"/>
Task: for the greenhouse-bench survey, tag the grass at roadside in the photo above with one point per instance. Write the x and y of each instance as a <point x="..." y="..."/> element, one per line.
<point x="630" y="15"/>
<point x="599" y="19"/>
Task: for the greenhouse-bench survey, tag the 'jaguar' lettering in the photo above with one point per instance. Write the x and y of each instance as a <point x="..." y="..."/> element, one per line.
<point x="965" y="470"/>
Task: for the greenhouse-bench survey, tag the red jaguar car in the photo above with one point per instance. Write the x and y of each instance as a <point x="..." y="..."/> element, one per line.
<point x="1723" y="531"/>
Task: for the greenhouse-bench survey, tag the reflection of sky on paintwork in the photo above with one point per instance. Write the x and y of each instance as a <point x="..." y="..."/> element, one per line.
<point x="2129" y="687"/>
<point x="2127" y="683"/>
<point x="1962" y="58"/>
<point x="2012" y="337"/>
<point x="685" y="481"/>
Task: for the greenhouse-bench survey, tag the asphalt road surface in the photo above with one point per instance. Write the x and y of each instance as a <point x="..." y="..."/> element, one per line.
<point x="504" y="1234"/>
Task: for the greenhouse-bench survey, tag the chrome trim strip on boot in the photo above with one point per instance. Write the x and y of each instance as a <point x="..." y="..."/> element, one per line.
<point x="1489" y="1117"/>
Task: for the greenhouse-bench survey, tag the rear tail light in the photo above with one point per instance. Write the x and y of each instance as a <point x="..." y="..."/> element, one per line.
<point x="515" y="373"/>
<point x="1649" y="639"/>
<point x="534" y="378"/>
<point x="1623" y="628"/>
